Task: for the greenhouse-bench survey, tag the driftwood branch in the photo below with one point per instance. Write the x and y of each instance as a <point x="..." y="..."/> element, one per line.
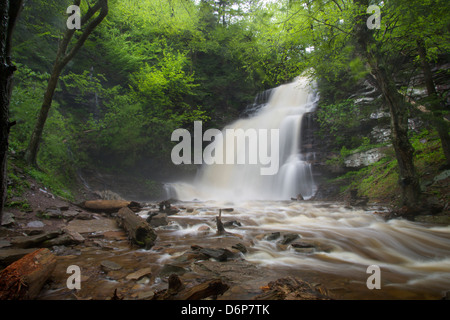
<point x="220" y="227"/>
<point x="292" y="289"/>
<point x="139" y="231"/>
<point x="177" y="291"/>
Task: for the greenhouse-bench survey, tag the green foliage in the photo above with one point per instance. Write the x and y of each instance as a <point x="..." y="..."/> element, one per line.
<point x="57" y="187"/>
<point x="55" y="157"/>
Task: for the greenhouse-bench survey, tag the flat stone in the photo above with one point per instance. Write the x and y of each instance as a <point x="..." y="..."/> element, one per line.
<point x="76" y="236"/>
<point x="33" y="241"/>
<point x="146" y="295"/>
<point x="70" y="214"/>
<point x="217" y="254"/>
<point x="169" y="269"/>
<point x="288" y="238"/>
<point x="53" y="213"/>
<point x="139" y="274"/>
<point x="272" y="236"/>
<point x="158" y="220"/>
<point x="302" y="245"/>
<point x="442" y="176"/>
<point x="240" y="247"/>
<point x="232" y="224"/>
<point x="4" y="243"/>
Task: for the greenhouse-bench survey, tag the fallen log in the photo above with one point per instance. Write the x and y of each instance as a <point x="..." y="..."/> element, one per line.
<point x="138" y="230"/>
<point x="24" y="279"/>
<point x="109" y="206"/>
<point x="177" y="291"/>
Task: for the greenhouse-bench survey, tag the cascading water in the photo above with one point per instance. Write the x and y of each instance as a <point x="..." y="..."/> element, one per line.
<point x="284" y="111"/>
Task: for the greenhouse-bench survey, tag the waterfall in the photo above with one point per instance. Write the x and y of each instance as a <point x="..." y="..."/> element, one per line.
<point x="284" y="110"/>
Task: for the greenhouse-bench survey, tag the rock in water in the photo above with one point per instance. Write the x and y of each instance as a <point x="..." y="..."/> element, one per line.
<point x="109" y="206"/>
<point x="139" y="274"/>
<point x="137" y="228"/>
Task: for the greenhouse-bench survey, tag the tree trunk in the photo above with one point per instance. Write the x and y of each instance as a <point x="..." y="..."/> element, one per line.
<point x="398" y="109"/>
<point x="139" y="231"/>
<point x="63" y="56"/>
<point x="23" y="279"/>
<point x="177" y="291"/>
<point x="9" y="11"/>
<point x="438" y="122"/>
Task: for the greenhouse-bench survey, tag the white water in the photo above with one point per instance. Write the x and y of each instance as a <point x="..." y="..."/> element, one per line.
<point x="284" y="111"/>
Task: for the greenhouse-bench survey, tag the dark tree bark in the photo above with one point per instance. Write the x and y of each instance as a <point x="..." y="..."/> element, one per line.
<point x="438" y="122"/>
<point x="9" y="11"/>
<point x="63" y="56"/>
<point x="398" y="108"/>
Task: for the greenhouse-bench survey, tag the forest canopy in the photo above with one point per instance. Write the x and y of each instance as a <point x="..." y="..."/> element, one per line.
<point x="153" y="66"/>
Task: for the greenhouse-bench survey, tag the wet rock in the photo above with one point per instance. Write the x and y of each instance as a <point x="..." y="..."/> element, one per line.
<point x="53" y="213"/>
<point x="216" y="254"/>
<point x="169" y="269"/>
<point x="288" y="238"/>
<point x="171" y="211"/>
<point x="203" y="230"/>
<point x="158" y="220"/>
<point x="90" y="226"/>
<point x="434" y="219"/>
<point x="146" y="295"/>
<point x="35" y="224"/>
<point x="65" y="251"/>
<point x="68" y="238"/>
<point x="190" y="210"/>
<point x="232" y="224"/>
<point x="84" y="216"/>
<point x="33" y="231"/>
<point x="4" y="243"/>
<point x="291" y="288"/>
<point x="8" y="256"/>
<point x="302" y="245"/>
<point x="139" y="274"/>
<point x="33" y="241"/>
<point x="70" y="214"/>
<point x="108" y="265"/>
<point x="311" y="246"/>
<point x="272" y="236"/>
<point x="7" y="219"/>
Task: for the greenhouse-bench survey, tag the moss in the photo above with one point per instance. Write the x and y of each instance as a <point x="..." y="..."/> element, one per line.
<point x="379" y="181"/>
